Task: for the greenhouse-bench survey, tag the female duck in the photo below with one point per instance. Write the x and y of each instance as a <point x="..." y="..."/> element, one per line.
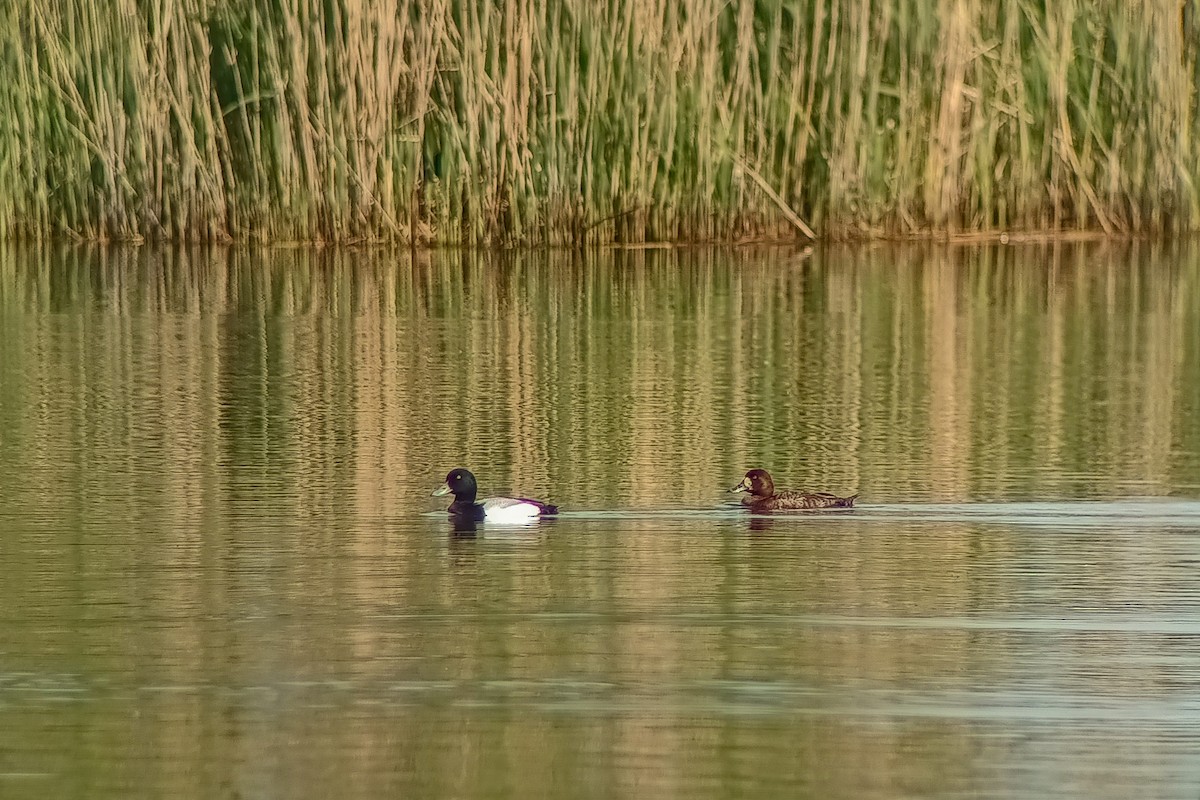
<point x="761" y="496"/>
<point x="461" y="483"/>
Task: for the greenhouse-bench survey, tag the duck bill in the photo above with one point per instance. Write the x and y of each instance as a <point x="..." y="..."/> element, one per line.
<point x="741" y="487"/>
<point x="441" y="491"/>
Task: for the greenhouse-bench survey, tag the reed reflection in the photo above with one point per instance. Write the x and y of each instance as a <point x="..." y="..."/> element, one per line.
<point x="905" y="374"/>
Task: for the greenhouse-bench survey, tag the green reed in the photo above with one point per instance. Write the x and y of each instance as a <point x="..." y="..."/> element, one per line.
<point x="565" y="121"/>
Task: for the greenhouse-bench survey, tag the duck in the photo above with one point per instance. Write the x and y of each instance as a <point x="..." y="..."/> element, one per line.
<point x="461" y="483"/>
<point x="762" y="496"/>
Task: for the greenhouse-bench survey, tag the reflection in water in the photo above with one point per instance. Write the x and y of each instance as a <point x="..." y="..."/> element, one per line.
<point x="904" y="374"/>
<point x="219" y="576"/>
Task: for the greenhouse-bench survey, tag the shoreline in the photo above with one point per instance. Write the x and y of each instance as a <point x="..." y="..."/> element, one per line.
<point x="959" y="238"/>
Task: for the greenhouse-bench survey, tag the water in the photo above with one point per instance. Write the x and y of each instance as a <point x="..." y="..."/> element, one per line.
<point x="221" y="574"/>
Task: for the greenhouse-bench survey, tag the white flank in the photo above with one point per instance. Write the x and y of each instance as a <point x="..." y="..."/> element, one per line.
<point x="508" y="510"/>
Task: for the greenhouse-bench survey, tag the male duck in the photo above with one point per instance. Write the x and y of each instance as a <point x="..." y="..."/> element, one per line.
<point x="461" y="483"/>
<point x="761" y="496"/>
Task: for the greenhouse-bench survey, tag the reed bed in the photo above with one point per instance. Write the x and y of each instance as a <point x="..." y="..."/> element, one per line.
<point x="574" y="121"/>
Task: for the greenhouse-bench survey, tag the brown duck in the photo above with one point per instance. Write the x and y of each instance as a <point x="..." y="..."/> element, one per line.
<point x="761" y="496"/>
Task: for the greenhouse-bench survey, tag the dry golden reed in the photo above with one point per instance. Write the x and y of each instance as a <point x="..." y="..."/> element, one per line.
<point x="572" y="121"/>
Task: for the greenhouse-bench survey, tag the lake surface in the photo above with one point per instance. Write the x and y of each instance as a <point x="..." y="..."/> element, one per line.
<point x="222" y="574"/>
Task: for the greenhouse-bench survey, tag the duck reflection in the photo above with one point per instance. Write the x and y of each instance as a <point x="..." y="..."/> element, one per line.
<point x="760" y="524"/>
<point x="463" y="528"/>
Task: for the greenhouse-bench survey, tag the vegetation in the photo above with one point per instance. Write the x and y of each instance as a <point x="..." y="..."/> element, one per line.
<point x="566" y="121"/>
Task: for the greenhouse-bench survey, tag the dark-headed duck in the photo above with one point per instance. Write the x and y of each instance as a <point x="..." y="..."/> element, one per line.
<point x="762" y="496"/>
<point x="461" y="483"/>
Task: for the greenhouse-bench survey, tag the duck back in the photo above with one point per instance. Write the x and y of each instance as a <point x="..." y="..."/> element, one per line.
<point x="802" y="501"/>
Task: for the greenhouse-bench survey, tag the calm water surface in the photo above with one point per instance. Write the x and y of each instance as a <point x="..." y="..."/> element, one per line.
<point x="222" y="575"/>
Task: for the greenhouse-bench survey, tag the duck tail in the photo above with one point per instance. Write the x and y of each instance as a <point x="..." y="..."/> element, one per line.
<point x="848" y="502"/>
<point x="544" y="508"/>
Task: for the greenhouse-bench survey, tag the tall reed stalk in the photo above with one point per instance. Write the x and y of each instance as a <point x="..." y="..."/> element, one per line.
<point x="565" y="121"/>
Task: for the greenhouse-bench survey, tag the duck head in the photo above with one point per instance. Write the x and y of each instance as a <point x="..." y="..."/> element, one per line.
<point x="460" y="483"/>
<point x="757" y="482"/>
